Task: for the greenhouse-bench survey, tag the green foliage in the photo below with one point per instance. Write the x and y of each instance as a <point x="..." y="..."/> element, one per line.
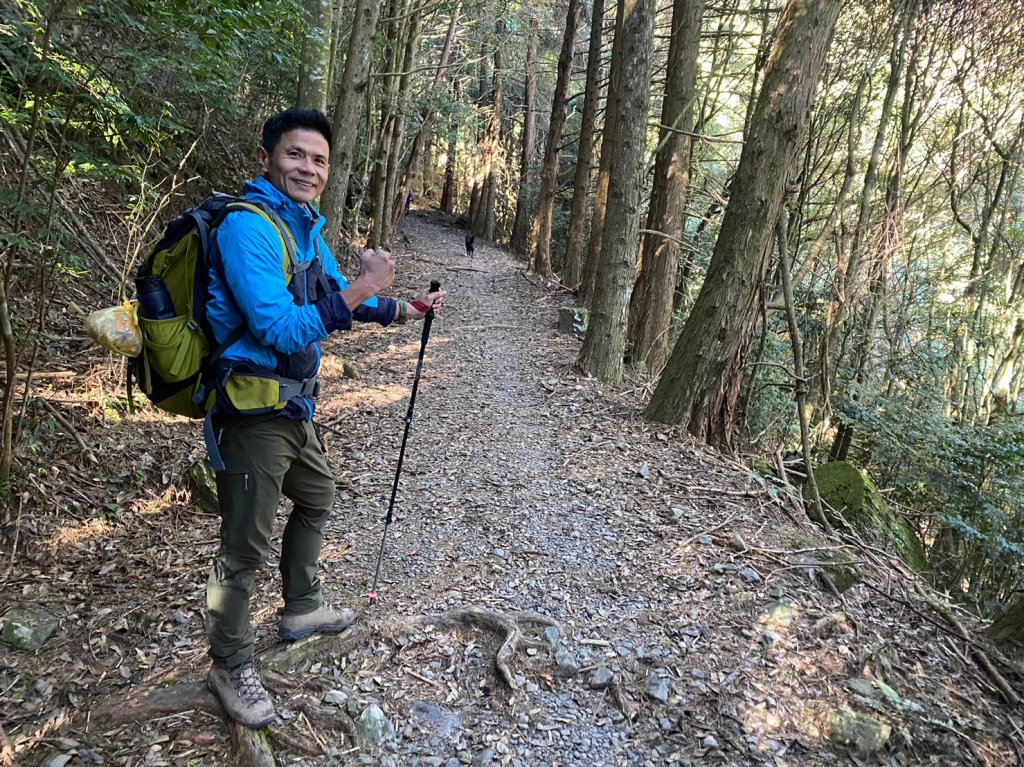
<point x="968" y="479"/>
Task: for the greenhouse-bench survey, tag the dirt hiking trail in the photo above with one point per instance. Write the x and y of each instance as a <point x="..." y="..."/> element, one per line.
<point x="564" y="583"/>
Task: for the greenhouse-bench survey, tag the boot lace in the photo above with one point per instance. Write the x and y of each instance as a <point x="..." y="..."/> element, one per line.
<point x="247" y="684"/>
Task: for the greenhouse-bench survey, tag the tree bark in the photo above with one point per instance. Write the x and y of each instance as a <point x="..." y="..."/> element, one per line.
<point x="407" y="38"/>
<point x="540" y="255"/>
<point x="337" y="27"/>
<point x="701" y="382"/>
<point x="412" y="168"/>
<point x="601" y="355"/>
<point x="399" y="21"/>
<point x="354" y="82"/>
<point x="520" y="227"/>
<point x="316" y="51"/>
<point x="482" y="200"/>
<point x="591" y="263"/>
<point x="650" y="308"/>
<point x="576" y="241"/>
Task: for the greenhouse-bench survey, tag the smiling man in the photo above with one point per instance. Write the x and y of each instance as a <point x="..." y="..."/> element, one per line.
<point x="275" y="293"/>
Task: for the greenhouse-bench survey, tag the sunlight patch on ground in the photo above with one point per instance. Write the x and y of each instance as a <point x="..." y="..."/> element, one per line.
<point x="378" y="397"/>
<point x="398" y="355"/>
<point x="173" y="497"/>
<point x="89" y="530"/>
<point x="791" y="702"/>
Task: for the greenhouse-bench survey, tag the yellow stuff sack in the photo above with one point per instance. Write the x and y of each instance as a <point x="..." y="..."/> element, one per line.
<point x="116" y="328"/>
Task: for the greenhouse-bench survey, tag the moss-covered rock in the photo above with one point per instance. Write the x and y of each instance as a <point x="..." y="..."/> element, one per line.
<point x="833" y="564"/>
<point x="27" y="629"/>
<point x="853" y="499"/>
<point x="861" y="732"/>
<point x="202" y="482"/>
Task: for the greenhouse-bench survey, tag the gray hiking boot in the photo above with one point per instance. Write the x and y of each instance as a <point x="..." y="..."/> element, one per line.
<point x="242" y="694"/>
<point x="323" y="620"/>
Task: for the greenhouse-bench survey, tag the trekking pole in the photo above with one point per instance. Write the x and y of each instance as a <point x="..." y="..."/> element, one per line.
<point x="427" y="322"/>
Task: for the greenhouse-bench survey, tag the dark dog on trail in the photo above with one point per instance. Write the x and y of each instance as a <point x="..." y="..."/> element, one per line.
<point x="470" y="239"/>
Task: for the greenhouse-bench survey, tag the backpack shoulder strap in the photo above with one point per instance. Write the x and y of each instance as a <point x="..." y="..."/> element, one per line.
<point x="287" y="262"/>
<point x="289" y="259"/>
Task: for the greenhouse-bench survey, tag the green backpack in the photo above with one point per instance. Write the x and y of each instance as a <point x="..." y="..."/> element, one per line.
<point x="176" y="367"/>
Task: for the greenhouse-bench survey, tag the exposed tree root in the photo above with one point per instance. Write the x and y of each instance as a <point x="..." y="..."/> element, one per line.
<point x="252" y="748"/>
<point x="509" y="626"/>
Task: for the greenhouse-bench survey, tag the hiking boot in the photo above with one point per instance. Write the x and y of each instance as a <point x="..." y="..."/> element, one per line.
<point x="242" y="694"/>
<point x="323" y="620"/>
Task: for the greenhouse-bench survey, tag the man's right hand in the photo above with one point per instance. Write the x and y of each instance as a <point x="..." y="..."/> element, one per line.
<point x="377" y="267"/>
<point x="376" y="272"/>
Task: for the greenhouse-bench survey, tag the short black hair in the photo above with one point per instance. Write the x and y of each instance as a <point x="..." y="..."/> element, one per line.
<point x="290" y="119"/>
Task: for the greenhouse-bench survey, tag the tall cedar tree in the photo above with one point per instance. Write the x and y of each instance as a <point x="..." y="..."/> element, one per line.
<point x="601" y="355"/>
<point x="591" y="263"/>
<point x="520" y="226"/>
<point x="316" y="48"/>
<point x="701" y="383"/>
<point x="540" y="256"/>
<point x="576" y="241"/>
<point x="354" y="81"/>
<point x="650" y="308"/>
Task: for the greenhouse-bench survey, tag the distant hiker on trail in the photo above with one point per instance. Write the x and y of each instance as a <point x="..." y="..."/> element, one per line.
<point x="408" y="201"/>
<point x="470" y="239"/>
<point x="272" y="451"/>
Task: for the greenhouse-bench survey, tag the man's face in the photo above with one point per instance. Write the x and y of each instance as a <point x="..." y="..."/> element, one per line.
<point x="298" y="165"/>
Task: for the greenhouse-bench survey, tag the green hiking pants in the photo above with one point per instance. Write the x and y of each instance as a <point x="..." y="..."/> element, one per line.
<point x="265" y="458"/>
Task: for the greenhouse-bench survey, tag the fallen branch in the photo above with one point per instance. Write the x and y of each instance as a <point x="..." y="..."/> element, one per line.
<point x="486" y="327"/>
<point x="69" y="428"/>
<point x="509" y="626"/>
<point x="295" y="742"/>
<point x="1008" y="694"/>
<point x="719" y="526"/>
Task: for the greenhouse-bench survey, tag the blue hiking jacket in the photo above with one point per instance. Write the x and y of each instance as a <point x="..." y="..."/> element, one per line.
<point x="282" y="336"/>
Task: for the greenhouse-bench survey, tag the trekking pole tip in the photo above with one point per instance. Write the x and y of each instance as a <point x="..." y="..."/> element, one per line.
<point x="373" y="596"/>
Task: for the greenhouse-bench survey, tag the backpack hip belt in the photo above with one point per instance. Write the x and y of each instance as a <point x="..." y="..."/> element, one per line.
<point x="288" y="388"/>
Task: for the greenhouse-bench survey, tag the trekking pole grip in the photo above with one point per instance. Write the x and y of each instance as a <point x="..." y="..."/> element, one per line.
<point x="434" y="287"/>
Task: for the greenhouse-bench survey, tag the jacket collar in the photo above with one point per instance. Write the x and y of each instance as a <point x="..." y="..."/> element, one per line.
<point x="292" y="212"/>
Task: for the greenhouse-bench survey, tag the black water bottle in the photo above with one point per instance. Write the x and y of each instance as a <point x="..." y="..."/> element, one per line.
<point x="154" y="299"/>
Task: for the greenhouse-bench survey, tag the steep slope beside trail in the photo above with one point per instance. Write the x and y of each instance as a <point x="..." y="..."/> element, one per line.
<point x="693" y="623"/>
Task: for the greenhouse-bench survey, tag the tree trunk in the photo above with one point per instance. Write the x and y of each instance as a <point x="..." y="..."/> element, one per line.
<point x="492" y="143"/>
<point x="588" y="278"/>
<point x="576" y="240"/>
<point x="447" y="202"/>
<point x="337" y="27"/>
<point x="354" y="81"/>
<point x="1009" y="627"/>
<point x="423" y="135"/>
<point x="397" y="26"/>
<point x="540" y="255"/>
<point x="701" y="383"/>
<point x="520" y="243"/>
<point x="601" y="355"/>
<point x="650" y="308"/>
<point x="384" y="215"/>
<point x="316" y="50"/>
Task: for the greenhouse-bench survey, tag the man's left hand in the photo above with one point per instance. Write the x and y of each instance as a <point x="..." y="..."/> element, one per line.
<point x="418" y="309"/>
